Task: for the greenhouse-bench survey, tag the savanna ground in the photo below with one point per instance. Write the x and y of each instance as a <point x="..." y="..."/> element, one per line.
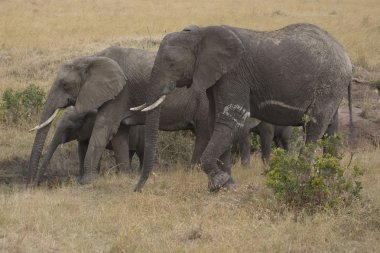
<point x="175" y="213"/>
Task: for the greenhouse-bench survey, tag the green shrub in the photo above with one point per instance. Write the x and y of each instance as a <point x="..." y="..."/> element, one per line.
<point x="20" y="105"/>
<point x="255" y="142"/>
<point x="312" y="182"/>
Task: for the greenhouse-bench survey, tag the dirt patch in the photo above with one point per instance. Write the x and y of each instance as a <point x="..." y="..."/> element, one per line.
<point x="64" y="166"/>
<point x="366" y="115"/>
<point x="13" y="170"/>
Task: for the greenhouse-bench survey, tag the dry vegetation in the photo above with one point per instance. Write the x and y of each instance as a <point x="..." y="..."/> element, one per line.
<point x="175" y="213"/>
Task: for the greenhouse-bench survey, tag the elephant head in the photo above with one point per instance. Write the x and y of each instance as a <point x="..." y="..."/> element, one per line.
<point x="86" y="83"/>
<point x="196" y="57"/>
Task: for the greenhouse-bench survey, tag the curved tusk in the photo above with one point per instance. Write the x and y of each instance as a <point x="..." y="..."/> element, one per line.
<point x="47" y="122"/>
<point x="138" y="108"/>
<point x="155" y="104"/>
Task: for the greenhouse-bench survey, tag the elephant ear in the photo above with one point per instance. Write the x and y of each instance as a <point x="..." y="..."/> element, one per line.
<point x="219" y="52"/>
<point x="103" y="80"/>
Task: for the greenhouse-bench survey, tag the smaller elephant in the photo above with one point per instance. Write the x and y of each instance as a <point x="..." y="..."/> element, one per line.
<point x="281" y="136"/>
<point x="74" y="126"/>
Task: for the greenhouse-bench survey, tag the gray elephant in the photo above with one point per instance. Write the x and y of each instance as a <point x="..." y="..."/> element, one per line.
<point x="74" y="126"/>
<point x="112" y="82"/>
<point x="280" y="135"/>
<point x="277" y="76"/>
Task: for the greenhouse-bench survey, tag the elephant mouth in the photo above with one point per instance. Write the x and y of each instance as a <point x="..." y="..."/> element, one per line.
<point x="145" y="107"/>
<point x="185" y="82"/>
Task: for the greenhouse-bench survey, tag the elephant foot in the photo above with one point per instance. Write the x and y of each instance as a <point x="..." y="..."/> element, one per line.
<point x="230" y="185"/>
<point x="217" y="180"/>
<point x="86" y="179"/>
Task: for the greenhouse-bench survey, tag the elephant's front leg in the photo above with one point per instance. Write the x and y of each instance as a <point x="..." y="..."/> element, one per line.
<point x="229" y="120"/>
<point x="245" y="149"/>
<point x="102" y="133"/>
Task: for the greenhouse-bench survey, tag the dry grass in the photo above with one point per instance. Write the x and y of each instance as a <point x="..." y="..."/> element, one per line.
<point x="175" y="213"/>
<point x="36" y="35"/>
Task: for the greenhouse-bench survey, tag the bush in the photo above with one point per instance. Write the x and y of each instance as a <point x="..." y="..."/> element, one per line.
<point x="312" y="182"/>
<point x="20" y="105"/>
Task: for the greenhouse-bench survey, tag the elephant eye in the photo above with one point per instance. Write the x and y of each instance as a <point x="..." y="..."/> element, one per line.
<point x="64" y="84"/>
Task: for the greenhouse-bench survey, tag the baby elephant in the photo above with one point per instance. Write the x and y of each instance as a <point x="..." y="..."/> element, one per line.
<point x="74" y="126"/>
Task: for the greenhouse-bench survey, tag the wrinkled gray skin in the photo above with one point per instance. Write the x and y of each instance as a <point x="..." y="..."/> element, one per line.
<point x="74" y="126"/>
<point x="112" y="82"/>
<point x="281" y="136"/>
<point x="277" y="77"/>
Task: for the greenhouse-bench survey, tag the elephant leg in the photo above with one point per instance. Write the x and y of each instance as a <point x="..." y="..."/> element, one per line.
<point x="266" y="136"/>
<point x="266" y="146"/>
<point x="140" y="155"/>
<point x="226" y="165"/>
<point x="217" y="148"/>
<point x="82" y="149"/>
<point x="330" y="131"/>
<point x="315" y="129"/>
<point x="227" y="119"/>
<point x="285" y="143"/>
<point x="131" y="154"/>
<point x="102" y="133"/>
<point x="120" y="145"/>
<point x="245" y="149"/>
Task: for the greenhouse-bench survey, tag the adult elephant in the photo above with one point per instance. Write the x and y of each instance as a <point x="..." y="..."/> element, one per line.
<point x="280" y="135"/>
<point x="277" y="76"/>
<point x="111" y="82"/>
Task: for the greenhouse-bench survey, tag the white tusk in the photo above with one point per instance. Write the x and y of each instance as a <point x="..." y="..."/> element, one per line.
<point x="47" y="122"/>
<point x="155" y="104"/>
<point x="138" y="108"/>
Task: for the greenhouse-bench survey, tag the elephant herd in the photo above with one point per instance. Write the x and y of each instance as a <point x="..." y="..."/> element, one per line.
<point x="217" y="81"/>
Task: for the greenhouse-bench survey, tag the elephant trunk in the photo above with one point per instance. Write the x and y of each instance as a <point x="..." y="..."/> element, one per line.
<point x="51" y="106"/>
<point x="151" y="136"/>
<point x="152" y="108"/>
<point x="38" y="145"/>
<point x="57" y="139"/>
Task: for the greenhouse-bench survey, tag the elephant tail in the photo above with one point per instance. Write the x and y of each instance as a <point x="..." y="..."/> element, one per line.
<point x="351" y="123"/>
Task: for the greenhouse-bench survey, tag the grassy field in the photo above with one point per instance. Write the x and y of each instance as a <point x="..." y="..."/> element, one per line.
<point x="175" y="213"/>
